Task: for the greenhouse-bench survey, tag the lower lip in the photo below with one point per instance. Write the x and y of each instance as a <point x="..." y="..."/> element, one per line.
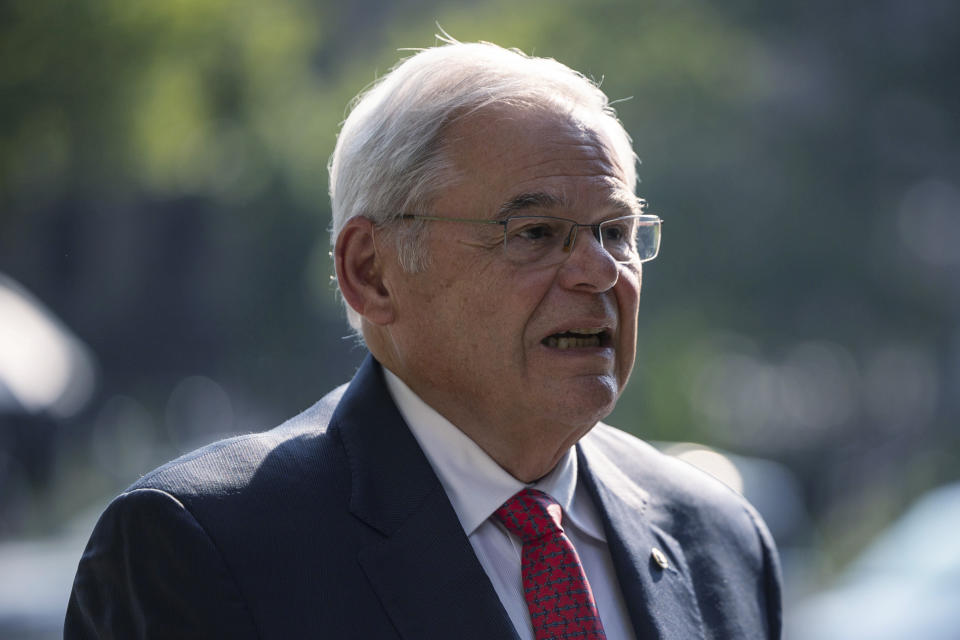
<point x="601" y="351"/>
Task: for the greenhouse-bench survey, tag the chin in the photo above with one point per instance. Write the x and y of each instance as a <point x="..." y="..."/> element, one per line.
<point x="588" y="399"/>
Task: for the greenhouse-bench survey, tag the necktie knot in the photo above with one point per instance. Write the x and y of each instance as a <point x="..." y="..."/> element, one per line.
<point x="530" y="515"/>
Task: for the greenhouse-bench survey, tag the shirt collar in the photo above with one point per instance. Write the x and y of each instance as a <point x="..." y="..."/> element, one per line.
<point x="475" y="484"/>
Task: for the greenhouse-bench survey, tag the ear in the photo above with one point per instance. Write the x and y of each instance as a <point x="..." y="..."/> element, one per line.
<point x="359" y="266"/>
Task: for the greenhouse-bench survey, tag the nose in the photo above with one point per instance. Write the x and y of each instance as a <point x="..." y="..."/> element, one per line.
<point x="571" y="238"/>
<point x="588" y="267"/>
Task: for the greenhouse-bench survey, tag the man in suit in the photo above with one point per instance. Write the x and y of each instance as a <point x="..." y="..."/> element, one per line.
<point x="488" y="247"/>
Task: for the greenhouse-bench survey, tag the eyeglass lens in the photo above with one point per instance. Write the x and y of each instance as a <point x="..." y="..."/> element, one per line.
<point x="545" y="240"/>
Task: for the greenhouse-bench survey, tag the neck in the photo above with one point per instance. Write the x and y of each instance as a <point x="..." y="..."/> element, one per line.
<point x="525" y="443"/>
<point x="525" y="461"/>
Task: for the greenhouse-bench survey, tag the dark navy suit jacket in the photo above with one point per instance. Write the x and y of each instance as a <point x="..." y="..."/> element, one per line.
<point x="333" y="525"/>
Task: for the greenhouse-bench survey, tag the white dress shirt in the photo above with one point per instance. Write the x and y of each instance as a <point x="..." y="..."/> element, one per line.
<point x="477" y="486"/>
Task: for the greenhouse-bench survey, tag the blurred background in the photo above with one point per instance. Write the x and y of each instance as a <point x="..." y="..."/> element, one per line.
<point x="164" y="277"/>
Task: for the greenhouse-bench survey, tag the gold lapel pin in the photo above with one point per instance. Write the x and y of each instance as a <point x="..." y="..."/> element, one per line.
<point x="659" y="557"/>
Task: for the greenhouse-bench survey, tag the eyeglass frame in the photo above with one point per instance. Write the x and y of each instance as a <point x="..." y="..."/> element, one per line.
<point x="571" y="234"/>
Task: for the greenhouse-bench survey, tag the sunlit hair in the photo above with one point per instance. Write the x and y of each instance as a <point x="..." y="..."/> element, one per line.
<point x="389" y="158"/>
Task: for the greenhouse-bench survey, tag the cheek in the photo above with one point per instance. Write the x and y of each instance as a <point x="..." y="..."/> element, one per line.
<point x="485" y="308"/>
<point x="627" y="291"/>
<point x="628" y="301"/>
<point x="470" y="315"/>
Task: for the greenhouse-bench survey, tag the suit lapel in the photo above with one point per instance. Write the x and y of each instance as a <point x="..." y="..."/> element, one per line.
<point x="428" y="593"/>
<point x="423" y="568"/>
<point x="661" y="602"/>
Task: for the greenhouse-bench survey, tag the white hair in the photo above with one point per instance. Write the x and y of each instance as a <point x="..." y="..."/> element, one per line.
<point x="389" y="159"/>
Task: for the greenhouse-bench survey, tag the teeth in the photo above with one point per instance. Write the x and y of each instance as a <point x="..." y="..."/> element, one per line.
<point x="565" y="342"/>
<point x="589" y="332"/>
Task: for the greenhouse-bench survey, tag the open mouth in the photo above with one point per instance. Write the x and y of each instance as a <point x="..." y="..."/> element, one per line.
<point x="578" y="339"/>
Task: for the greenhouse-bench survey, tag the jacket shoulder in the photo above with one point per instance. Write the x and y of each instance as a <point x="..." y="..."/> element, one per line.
<point x="728" y="547"/>
<point x="702" y="513"/>
<point x="669" y="482"/>
<point x="228" y="465"/>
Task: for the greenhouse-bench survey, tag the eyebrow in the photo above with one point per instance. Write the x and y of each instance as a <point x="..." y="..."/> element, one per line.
<point x="526" y="201"/>
<point x="629" y="204"/>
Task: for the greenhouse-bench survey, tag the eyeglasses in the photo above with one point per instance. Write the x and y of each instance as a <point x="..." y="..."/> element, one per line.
<point x="547" y="240"/>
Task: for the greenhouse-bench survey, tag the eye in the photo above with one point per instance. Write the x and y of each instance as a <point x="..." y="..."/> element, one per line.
<point x="616" y="232"/>
<point x="534" y="230"/>
<point x="613" y="234"/>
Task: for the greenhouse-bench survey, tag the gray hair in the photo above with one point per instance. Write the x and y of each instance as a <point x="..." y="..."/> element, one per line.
<point x="389" y="159"/>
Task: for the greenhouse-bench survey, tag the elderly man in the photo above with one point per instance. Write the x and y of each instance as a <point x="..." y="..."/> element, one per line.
<point x="489" y="249"/>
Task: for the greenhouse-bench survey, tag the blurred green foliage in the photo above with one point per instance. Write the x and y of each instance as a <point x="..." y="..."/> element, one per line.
<point x="163" y="190"/>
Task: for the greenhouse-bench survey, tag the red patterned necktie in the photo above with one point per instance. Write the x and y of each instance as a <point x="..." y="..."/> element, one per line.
<point x="554" y="585"/>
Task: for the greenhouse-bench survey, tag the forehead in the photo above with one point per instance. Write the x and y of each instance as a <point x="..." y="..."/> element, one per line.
<point x="507" y="159"/>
